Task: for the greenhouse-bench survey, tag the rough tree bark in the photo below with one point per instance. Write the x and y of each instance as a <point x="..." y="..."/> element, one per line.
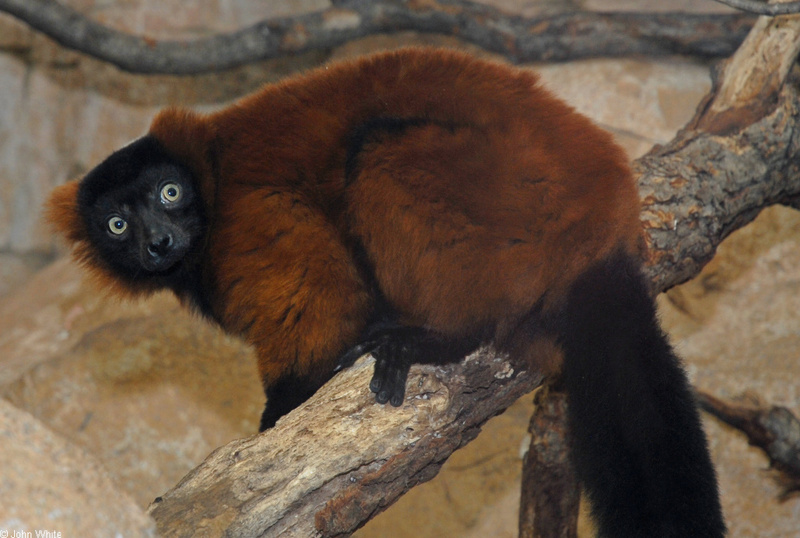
<point x="329" y="466"/>
<point x="560" y="37"/>
<point x="691" y="195"/>
<point x="550" y="494"/>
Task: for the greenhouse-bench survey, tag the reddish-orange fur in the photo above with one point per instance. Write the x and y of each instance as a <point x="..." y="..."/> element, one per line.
<point x="473" y="216"/>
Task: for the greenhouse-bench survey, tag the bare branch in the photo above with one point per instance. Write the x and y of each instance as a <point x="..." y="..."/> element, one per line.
<point x="690" y="201"/>
<point x="773" y="429"/>
<point x="548" y="38"/>
<point x="331" y="464"/>
<point x="550" y="496"/>
<point x="763" y="8"/>
<point x="744" y="91"/>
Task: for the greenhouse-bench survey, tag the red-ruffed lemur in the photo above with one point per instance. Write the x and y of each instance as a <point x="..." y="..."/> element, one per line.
<point x="414" y="204"/>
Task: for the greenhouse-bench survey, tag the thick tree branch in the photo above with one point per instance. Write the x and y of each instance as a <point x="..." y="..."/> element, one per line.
<point x="744" y="92"/>
<point x="330" y="465"/>
<point x="547" y="38"/>
<point x="702" y="186"/>
<point x="692" y="197"/>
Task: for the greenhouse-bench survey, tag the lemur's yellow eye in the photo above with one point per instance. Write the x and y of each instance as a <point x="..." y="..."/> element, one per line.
<point x="117" y="226"/>
<point x="170" y="193"/>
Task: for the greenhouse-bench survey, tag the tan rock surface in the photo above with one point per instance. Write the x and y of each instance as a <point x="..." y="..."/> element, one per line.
<point x="146" y="386"/>
<point x="49" y="484"/>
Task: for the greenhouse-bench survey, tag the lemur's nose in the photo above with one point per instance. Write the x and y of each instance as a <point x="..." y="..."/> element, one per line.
<point x="160" y="246"/>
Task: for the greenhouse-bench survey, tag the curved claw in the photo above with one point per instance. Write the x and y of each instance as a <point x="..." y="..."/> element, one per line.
<point x="375" y="336"/>
<point x="350" y="356"/>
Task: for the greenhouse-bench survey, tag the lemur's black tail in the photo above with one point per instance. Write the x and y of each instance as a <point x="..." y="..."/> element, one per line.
<point x="638" y="444"/>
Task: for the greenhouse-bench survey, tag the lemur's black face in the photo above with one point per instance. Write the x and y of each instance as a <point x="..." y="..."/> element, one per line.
<point x="142" y="210"/>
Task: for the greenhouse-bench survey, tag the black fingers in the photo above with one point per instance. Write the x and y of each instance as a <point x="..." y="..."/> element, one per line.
<point x="396" y="347"/>
<point x="378" y="378"/>
<point x="392" y="364"/>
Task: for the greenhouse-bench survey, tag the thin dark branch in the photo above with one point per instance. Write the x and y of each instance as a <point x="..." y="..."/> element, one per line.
<point x="763" y="8"/>
<point x="520" y="39"/>
<point x="773" y="429"/>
